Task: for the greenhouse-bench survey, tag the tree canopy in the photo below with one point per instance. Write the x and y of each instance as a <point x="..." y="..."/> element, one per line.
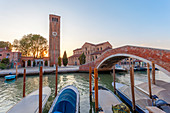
<point x="59" y="61"/>
<point x="65" y="59"/>
<point x="31" y="45"/>
<point x="82" y="59"/>
<point x="5" y="44"/>
<point x="5" y="60"/>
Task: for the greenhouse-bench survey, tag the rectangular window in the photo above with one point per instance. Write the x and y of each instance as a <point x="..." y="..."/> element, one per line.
<point x="55" y="19"/>
<point x="8" y="54"/>
<point x="0" y="54"/>
<point x="101" y="48"/>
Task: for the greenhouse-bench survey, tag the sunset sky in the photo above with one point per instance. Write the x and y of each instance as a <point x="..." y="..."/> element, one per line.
<point x="121" y="22"/>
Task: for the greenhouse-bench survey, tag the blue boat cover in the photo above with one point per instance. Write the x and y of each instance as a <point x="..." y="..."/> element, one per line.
<point x="66" y="102"/>
<point x="10" y="77"/>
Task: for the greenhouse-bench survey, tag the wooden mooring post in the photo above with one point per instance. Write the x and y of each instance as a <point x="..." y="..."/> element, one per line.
<point x="153" y="73"/>
<point x="114" y="79"/>
<point x="56" y="78"/>
<point x="132" y="87"/>
<point x="149" y="80"/>
<point x="96" y="89"/>
<point x="90" y="85"/>
<point x="40" y="89"/>
<point x="24" y="77"/>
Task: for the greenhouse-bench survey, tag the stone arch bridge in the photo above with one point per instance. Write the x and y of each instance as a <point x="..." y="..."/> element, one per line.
<point x="160" y="57"/>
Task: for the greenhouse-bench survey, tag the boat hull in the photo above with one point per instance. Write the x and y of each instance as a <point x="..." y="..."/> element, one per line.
<point x="30" y="103"/>
<point x="128" y="101"/>
<point x="67" y="101"/>
<point x="125" y="98"/>
<point x="106" y="96"/>
<point x="10" y="77"/>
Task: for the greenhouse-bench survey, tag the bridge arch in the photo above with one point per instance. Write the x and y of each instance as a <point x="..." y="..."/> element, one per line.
<point x="123" y="56"/>
<point x="160" y="57"/>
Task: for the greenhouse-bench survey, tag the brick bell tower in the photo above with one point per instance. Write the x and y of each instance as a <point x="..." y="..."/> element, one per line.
<point x="54" y="39"/>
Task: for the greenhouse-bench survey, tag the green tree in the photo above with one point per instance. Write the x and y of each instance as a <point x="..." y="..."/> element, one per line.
<point x="5" y="44"/>
<point x="29" y="62"/>
<point x="59" y="61"/>
<point x="65" y="59"/>
<point x="32" y="45"/>
<point x="46" y="63"/>
<point x="82" y="59"/>
<point x="34" y="63"/>
<point x="2" y="66"/>
<point x="5" y="61"/>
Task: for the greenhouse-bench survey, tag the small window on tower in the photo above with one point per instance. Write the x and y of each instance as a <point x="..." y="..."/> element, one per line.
<point x="55" y="19"/>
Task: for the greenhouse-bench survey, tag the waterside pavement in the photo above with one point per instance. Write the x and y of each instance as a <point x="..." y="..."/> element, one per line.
<point x="35" y="70"/>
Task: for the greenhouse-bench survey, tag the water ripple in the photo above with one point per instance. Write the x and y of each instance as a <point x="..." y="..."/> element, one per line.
<point x="11" y="92"/>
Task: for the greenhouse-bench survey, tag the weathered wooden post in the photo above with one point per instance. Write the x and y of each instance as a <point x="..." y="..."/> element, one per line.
<point x="149" y="80"/>
<point x="114" y="77"/>
<point x="56" y="78"/>
<point x="132" y="87"/>
<point x="153" y="73"/>
<point x="16" y="71"/>
<point x="96" y="89"/>
<point x="90" y="80"/>
<point x="24" y="82"/>
<point x="40" y="89"/>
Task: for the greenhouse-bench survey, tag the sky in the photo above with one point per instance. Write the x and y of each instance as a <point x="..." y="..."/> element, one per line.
<point x="121" y="22"/>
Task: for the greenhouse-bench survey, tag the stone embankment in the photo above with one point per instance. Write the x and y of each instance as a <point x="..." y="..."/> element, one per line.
<point x="35" y="70"/>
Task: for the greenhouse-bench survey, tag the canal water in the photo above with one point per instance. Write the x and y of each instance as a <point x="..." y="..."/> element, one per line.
<point x="11" y="92"/>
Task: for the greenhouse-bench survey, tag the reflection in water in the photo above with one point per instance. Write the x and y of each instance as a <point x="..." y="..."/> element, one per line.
<point x="11" y="93"/>
<point x="10" y="81"/>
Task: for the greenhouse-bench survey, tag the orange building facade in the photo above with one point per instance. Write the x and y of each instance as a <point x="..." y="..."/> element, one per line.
<point x="14" y="57"/>
<point x="91" y="51"/>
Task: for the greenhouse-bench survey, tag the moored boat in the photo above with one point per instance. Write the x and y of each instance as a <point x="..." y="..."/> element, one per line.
<point x="67" y="101"/>
<point x="30" y="103"/>
<point x="119" y="68"/>
<point x="109" y="102"/>
<point x="142" y="100"/>
<point x="10" y="77"/>
<point x="137" y="68"/>
<point x="160" y="92"/>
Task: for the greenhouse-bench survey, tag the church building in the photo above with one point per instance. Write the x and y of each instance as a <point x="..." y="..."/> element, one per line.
<point x="91" y="51"/>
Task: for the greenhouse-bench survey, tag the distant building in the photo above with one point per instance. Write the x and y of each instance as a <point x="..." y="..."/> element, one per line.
<point x="34" y="62"/>
<point x="91" y="51"/>
<point x="14" y="57"/>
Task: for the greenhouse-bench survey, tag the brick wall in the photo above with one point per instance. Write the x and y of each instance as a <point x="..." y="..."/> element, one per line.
<point x="159" y="56"/>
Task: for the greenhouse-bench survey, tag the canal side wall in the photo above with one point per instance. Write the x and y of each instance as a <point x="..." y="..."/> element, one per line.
<point x="85" y="67"/>
<point x="35" y="70"/>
